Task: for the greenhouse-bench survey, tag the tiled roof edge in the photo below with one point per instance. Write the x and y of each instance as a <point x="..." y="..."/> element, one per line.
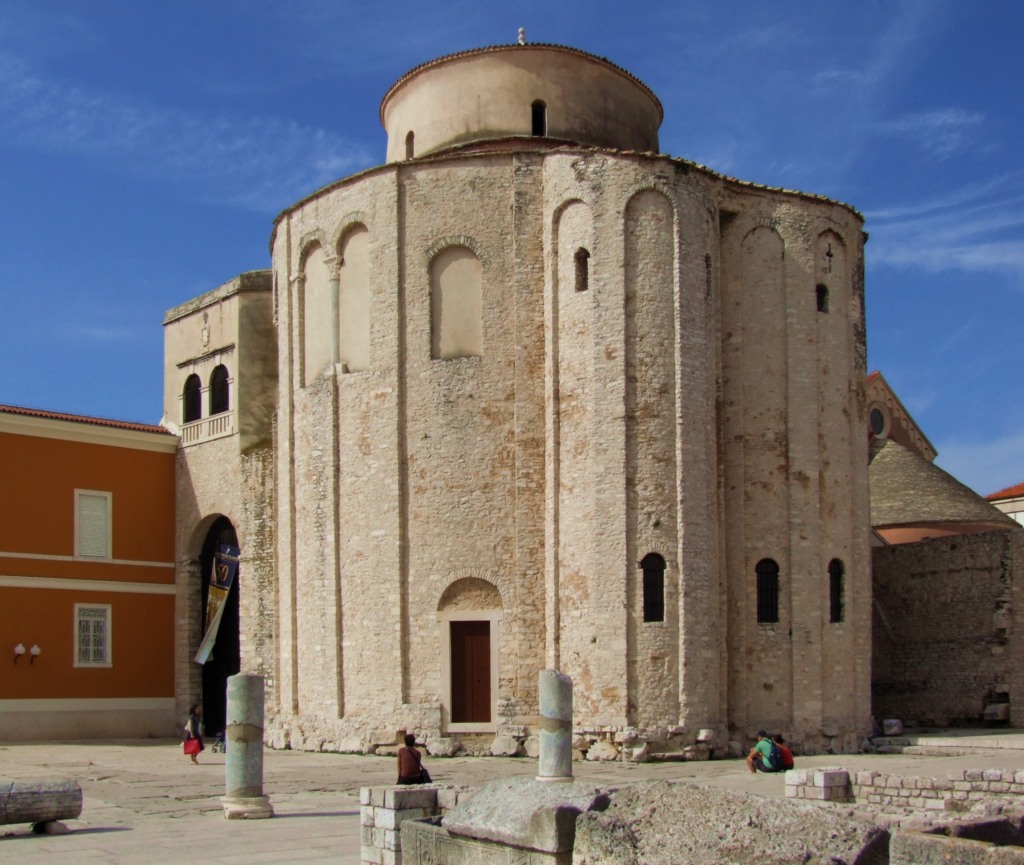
<point x="85" y="419"/>
<point x="455" y="153"/>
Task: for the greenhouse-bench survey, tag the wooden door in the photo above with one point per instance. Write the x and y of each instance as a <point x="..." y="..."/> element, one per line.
<point x="471" y="672"/>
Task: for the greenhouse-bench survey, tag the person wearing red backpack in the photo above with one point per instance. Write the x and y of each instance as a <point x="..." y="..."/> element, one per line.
<point x="787" y="755"/>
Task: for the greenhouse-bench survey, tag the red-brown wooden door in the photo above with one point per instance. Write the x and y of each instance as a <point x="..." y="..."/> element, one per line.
<point x="471" y="672"/>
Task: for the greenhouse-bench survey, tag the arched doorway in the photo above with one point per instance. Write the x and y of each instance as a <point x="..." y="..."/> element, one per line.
<point x="470" y="614"/>
<point x="225" y="659"/>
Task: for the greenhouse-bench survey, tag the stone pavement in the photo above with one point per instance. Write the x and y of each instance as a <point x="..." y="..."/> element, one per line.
<point x="144" y="803"/>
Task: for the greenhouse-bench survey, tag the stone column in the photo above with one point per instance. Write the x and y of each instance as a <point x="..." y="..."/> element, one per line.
<point x="334" y="284"/>
<point x="555" y="762"/>
<point x="244" y="743"/>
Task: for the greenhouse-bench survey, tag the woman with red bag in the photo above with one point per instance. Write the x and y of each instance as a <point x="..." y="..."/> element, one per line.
<point x="194" y="732"/>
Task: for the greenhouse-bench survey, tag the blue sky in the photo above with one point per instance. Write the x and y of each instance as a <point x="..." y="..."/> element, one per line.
<point x="145" y="149"/>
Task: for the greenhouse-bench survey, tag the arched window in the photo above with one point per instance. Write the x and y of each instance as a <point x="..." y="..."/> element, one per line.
<point x="410" y="145"/>
<point x="456" y="287"/>
<point x="220" y="401"/>
<point x="821" y="293"/>
<point x="582" y="260"/>
<point x="539" y="114"/>
<point x="192" y="399"/>
<point x="835" y="591"/>
<point x="767" y="590"/>
<point x="653" y="567"/>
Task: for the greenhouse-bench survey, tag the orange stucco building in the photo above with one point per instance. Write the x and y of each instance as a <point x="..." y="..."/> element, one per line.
<point x="87" y="588"/>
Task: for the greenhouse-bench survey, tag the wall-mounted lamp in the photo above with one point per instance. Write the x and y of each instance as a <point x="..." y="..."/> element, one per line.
<point x="35" y="652"/>
<point x="19" y="650"/>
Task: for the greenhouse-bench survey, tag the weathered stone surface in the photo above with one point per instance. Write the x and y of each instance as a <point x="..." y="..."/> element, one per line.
<point x="997" y="712"/>
<point x="443" y="747"/>
<point x="536" y="815"/>
<point x="603" y="751"/>
<point x="505" y="746"/>
<point x="917" y="848"/>
<point x="639" y="755"/>
<point x="40" y="801"/>
<point x="892" y="727"/>
<point x="658" y="823"/>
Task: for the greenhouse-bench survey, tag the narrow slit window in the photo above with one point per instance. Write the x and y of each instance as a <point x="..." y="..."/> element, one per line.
<point x="835" y="591"/>
<point x="582" y="260"/>
<point x="539" y="113"/>
<point x="767" y="590"/>
<point x="410" y="145"/>
<point x="821" y="295"/>
<point x="653" y="567"/>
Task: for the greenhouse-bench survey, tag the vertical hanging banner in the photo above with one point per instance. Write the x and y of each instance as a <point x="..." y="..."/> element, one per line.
<point x="222" y="575"/>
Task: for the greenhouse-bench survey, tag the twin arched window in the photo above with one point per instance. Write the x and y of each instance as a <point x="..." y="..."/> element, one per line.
<point x="192" y="395"/>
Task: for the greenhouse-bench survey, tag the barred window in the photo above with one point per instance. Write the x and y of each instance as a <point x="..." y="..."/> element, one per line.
<point x="92" y="635"/>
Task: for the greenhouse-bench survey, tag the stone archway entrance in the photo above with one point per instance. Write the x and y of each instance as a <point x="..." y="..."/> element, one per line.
<point x="470" y="614"/>
<point x="226" y="657"/>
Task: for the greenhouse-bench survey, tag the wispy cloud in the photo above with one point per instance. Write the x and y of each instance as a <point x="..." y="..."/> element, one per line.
<point x="258" y="163"/>
<point x="942" y="133"/>
<point x="978" y="227"/>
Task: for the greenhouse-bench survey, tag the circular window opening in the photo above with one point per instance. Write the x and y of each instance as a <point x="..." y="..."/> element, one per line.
<point x="876" y="421"/>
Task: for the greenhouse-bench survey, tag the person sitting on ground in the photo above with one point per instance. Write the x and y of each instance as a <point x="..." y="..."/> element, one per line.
<point x="764" y="756"/>
<point x="410" y="763"/>
<point x="787" y="755"/>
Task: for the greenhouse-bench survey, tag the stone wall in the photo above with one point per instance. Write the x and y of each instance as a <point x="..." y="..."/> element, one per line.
<point x="383" y="810"/>
<point x="944" y="633"/>
<point x="585" y="431"/>
<point x="958" y="791"/>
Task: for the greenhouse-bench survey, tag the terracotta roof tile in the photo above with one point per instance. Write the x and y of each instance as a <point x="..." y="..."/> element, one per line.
<point x="86" y="419"/>
<point x="1009" y="493"/>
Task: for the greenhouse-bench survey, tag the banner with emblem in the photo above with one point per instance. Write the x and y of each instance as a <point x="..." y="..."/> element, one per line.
<point x="222" y="575"/>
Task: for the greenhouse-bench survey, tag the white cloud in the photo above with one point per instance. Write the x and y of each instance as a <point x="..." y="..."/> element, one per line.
<point x="258" y="163"/>
<point x="978" y="227"/>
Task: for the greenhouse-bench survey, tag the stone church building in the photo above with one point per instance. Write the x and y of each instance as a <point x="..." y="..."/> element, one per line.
<point x="532" y="394"/>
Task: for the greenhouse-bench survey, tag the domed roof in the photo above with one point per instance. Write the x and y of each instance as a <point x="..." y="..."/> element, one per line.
<point x="528" y="90"/>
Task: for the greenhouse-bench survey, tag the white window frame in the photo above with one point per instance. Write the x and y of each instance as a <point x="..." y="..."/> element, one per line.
<point x="108" y="619"/>
<point x="79" y="495"/>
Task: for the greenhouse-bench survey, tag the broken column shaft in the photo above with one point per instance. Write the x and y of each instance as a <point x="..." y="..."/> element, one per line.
<point x="555" y="763"/>
<point x="244" y="744"/>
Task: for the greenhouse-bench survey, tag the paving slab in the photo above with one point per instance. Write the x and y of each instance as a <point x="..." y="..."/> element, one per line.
<point x="144" y="803"/>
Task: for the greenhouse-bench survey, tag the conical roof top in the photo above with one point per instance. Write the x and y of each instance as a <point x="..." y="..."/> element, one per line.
<point x="908" y="490"/>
